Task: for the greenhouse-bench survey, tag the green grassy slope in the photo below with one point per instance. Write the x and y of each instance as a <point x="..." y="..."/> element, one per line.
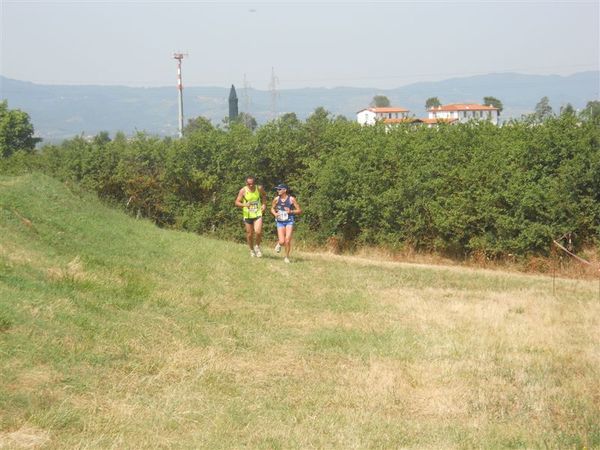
<point x="117" y="334"/>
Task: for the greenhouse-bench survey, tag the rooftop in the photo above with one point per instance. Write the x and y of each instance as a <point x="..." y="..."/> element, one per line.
<point x="387" y="109"/>
<point x="463" y="107"/>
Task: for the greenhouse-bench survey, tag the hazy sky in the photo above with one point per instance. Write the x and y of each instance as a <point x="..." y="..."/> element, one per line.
<point x="365" y="43"/>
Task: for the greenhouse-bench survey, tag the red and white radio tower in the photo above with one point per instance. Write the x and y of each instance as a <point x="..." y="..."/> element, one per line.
<point x="179" y="57"/>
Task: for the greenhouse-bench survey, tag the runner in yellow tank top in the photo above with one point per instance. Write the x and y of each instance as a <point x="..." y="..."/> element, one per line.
<point x="252" y="199"/>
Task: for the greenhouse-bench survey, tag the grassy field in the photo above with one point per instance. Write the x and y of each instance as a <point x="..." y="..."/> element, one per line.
<point x="117" y="334"/>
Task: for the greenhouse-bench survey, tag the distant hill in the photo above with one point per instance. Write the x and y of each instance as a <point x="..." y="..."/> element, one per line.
<point x="60" y="111"/>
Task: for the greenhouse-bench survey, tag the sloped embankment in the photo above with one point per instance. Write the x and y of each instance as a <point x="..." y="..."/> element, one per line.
<point x="114" y="333"/>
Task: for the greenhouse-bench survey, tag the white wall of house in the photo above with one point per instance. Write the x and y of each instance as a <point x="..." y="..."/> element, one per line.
<point x="369" y="116"/>
<point x="392" y="115"/>
<point x="465" y="115"/>
<point x="365" y="117"/>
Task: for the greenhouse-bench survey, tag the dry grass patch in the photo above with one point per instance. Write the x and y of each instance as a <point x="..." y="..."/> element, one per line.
<point x="37" y="378"/>
<point x="18" y="255"/>
<point x="72" y="272"/>
<point x="24" y="438"/>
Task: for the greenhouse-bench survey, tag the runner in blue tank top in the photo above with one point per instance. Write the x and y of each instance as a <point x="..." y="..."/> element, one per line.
<point x="285" y="208"/>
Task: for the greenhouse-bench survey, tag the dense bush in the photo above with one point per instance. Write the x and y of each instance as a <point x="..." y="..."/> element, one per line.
<point x="458" y="190"/>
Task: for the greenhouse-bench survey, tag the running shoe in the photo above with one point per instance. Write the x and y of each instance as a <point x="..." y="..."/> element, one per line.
<point x="252" y="254"/>
<point x="278" y="248"/>
<point x="286" y="260"/>
<point x="258" y="251"/>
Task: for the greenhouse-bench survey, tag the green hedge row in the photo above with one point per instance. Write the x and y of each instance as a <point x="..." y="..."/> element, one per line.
<point x="458" y="190"/>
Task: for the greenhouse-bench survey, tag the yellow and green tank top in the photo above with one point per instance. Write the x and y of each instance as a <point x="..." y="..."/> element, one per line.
<point x="254" y="209"/>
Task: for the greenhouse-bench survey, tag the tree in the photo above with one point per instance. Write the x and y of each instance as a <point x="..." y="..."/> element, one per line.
<point x="319" y="115"/>
<point x="591" y="110"/>
<point x="244" y="119"/>
<point x="102" y="138"/>
<point x="315" y="127"/>
<point x="16" y="131"/>
<point x="198" y="124"/>
<point x="567" y="110"/>
<point x="432" y="102"/>
<point x="493" y="101"/>
<point x="380" y="101"/>
<point x="543" y="110"/>
<point x="289" y="118"/>
<point x="248" y="120"/>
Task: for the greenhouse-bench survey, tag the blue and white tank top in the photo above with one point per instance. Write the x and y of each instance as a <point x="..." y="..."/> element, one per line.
<point x="282" y="214"/>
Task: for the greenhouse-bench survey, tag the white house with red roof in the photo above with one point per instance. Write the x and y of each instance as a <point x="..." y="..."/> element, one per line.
<point x="369" y="116"/>
<point x="463" y="112"/>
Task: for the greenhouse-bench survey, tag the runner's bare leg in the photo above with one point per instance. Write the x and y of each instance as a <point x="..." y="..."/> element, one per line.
<point x="289" y="229"/>
<point x="249" y="235"/>
<point x="258" y="230"/>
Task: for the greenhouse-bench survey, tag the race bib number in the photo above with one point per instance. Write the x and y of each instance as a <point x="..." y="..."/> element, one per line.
<point x="282" y="215"/>
<point x="253" y="207"/>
